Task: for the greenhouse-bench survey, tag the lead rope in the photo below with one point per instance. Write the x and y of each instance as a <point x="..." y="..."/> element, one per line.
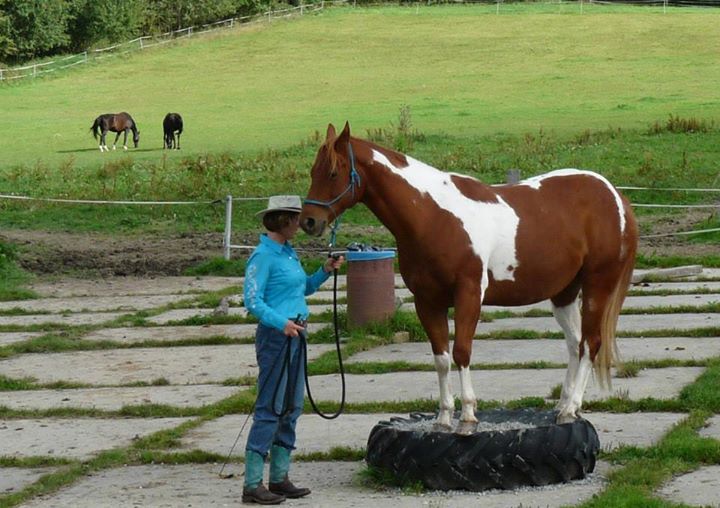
<point x="333" y="235"/>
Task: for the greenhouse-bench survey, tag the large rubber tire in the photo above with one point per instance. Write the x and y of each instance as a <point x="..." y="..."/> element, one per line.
<point x="503" y="459"/>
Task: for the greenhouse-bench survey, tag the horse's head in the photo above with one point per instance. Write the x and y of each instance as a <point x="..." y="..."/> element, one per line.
<point x="136" y="138"/>
<point x="335" y="183"/>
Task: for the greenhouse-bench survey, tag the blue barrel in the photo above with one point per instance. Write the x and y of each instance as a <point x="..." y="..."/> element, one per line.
<point x="370" y="286"/>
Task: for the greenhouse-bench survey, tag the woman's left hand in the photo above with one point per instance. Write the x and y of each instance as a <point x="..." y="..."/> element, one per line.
<point x="333" y="264"/>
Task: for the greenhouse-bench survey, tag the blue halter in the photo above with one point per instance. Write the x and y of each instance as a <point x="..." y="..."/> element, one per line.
<point x="354" y="182"/>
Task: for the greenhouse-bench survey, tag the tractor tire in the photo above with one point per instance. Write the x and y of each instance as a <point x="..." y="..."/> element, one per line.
<point x="536" y="452"/>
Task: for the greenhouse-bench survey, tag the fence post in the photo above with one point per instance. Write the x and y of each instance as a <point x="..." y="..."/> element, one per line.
<point x="512" y="176"/>
<point x="228" y="227"/>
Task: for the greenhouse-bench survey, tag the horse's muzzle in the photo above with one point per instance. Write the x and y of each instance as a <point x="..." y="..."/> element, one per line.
<point x="312" y="226"/>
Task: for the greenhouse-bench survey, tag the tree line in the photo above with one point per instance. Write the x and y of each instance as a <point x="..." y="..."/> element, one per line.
<point x="31" y="29"/>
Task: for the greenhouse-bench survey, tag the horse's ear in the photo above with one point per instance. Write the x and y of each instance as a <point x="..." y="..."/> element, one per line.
<point x="330" y="132"/>
<point x="344" y="136"/>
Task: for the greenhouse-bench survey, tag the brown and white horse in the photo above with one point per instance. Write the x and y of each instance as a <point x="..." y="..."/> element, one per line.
<point x="568" y="236"/>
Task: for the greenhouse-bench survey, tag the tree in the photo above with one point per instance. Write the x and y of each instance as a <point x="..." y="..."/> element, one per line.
<point x="36" y="28"/>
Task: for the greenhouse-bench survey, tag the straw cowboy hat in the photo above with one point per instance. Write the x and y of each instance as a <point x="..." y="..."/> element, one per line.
<point x="282" y="204"/>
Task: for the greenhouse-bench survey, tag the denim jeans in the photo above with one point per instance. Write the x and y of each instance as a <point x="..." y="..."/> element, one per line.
<point x="275" y="417"/>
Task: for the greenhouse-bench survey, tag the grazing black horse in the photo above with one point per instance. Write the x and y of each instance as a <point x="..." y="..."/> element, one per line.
<point x="115" y="122"/>
<point x="172" y="126"/>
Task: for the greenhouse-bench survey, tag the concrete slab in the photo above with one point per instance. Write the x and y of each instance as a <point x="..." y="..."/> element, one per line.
<point x="316" y="434"/>
<point x="712" y="428"/>
<point x="113" y="399"/>
<point x="626" y="323"/>
<point x="113" y="286"/>
<point x="176" y="315"/>
<point x="333" y="484"/>
<point x="61" y="319"/>
<point x="132" y="335"/>
<point x="699" y="488"/>
<point x="7" y="338"/>
<point x="686" y="286"/>
<point x="93" y="303"/>
<point x="115" y="367"/>
<point x="500" y="385"/>
<point x="14" y="479"/>
<point x="75" y="438"/>
<point x="631" y="429"/>
<point x="548" y="350"/>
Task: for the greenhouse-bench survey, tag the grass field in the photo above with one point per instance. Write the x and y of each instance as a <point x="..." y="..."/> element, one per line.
<point x="535" y="87"/>
<point x="464" y="70"/>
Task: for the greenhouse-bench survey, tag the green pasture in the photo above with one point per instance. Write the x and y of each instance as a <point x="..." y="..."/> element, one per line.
<point x="630" y="92"/>
<point x="463" y="70"/>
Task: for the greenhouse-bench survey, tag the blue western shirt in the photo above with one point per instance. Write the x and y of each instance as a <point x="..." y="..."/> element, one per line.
<point x="276" y="284"/>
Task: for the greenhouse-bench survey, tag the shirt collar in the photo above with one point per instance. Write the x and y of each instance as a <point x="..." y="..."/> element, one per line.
<point x="273" y="245"/>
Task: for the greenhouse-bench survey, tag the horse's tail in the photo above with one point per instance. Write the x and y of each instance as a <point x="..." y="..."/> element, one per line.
<point x="95" y="128"/>
<point x="608" y="353"/>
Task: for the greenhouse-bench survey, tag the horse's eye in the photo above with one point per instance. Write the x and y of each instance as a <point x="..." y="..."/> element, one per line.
<point x="333" y="175"/>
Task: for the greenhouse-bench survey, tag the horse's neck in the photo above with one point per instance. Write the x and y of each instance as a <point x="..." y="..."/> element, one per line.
<point x="390" y="203"/>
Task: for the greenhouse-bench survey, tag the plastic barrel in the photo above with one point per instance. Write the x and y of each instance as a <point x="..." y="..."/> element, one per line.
<point x="370" y="286"/>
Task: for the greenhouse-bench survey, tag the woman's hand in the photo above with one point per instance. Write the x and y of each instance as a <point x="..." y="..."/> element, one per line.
<point x="292" y="329"/>
<point x="333" y="264"/>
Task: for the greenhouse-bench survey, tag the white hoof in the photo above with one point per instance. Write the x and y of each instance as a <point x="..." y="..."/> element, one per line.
<point x="444" y="418"/>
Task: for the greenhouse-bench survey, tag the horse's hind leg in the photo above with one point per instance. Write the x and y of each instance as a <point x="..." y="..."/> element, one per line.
<point x="596" y="292"/>
<point x="434" y="320"/>
<point x="177" y="143"/>
<point x="568" y="316"/>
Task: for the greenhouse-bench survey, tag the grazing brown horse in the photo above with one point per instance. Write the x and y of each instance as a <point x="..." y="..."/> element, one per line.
<point x="568" y="236"/>
<point x="115" y="122"/>
<point x="172" y="128"/>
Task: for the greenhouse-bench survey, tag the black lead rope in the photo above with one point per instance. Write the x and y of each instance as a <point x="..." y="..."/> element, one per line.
<point x="303" y="336"/>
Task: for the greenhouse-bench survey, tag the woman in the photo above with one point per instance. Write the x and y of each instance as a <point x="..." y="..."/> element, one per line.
<point x="275" y="290"/>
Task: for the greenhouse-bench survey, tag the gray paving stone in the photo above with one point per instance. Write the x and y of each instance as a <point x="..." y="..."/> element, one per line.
<point x="14" y="479"/>
<point x="315" y="434"/>
<point x="113" y="399"/>
<point x="112" y="286"/>
<point x="500" y="385"/>
<point x="94" y="303"/>
<point x="131" y="335"/>
<point x="7" y="338"/>
<point x="75" y="438"/>
<point x="548" y="350"/>
<point x="333" y="485"/>
<point x="712" y="429"/>
<point x="176" y="315"/>
<point x="113" y="367"/>
<point x="698" y="488"/>
<point x="626" y="323"/>
<point x="83" y="318"/>
<point x="631" y="429"/>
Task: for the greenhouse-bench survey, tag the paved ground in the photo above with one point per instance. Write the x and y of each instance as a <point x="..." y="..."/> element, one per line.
<point x="126" y="372"/>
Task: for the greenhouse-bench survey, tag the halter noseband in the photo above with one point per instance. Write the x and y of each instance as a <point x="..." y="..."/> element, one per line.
<point x="354" y="182"/>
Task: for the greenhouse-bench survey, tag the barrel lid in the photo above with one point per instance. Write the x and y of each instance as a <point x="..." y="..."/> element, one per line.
<point x="369" y="255"/>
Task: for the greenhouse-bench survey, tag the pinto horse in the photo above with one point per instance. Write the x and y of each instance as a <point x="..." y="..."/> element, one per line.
<point x="172" y="128"/>
<point x="115" y="122"/>
<point x="568" y="236"/>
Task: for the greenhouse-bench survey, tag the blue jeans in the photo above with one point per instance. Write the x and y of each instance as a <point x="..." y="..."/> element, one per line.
<point x="279" y="404"/>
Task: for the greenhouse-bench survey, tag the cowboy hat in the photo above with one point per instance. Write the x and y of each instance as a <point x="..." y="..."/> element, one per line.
<point x="282" y="204"/>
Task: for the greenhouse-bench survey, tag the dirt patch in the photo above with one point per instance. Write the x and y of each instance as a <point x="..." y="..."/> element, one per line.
<point x="45" y="252"/>
<point x="57" y="252"/>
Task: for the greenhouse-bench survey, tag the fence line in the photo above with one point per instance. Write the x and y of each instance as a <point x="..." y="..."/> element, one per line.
<point x="149" y="41"/>
<point x="228" y="200"/>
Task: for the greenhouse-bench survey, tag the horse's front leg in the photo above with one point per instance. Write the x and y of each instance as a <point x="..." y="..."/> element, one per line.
<point x="433" y="318"/>
<point x="125" y="139"/>
<point x="467" y="313"/>
<point x="117" y="136"/>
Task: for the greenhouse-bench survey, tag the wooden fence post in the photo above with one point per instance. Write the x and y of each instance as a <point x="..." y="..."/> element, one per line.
<point x="228" y="227"/>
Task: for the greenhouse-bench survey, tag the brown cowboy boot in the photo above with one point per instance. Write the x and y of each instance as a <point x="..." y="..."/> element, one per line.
<point x="287" y="489"/>
<point x="261" y="495"/>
